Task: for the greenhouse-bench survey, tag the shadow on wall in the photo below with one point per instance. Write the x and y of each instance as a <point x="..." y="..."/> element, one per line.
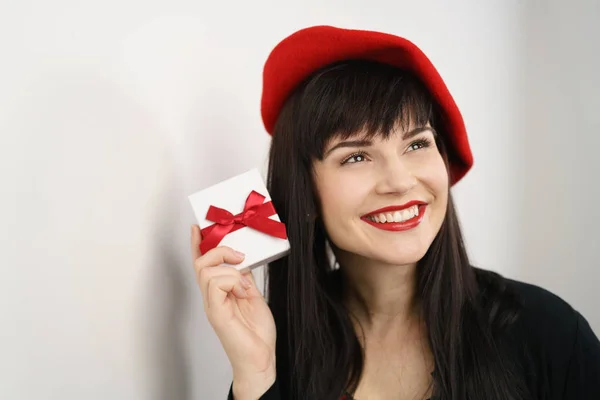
<point x="171" y="363"/>
<point x="188" y="360"/>
<point x="165" y="303"/>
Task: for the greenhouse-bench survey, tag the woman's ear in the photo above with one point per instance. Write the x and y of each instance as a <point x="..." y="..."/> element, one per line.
<point x="333" y="264"/>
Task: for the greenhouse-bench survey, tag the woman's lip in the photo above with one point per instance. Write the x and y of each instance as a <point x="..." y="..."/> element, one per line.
<point x="399" y="226"/>
<point x="396" y="208"/>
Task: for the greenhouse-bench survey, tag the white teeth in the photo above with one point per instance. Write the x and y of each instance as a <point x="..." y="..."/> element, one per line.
<point x="406" y="214"/>
<point x="396" y="216"/>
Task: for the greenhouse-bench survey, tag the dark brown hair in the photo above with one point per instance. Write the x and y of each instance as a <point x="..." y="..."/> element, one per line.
<point x="316" y="340"/>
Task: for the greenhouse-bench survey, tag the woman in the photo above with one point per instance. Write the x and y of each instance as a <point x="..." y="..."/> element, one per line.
<point x="377" y="299"/>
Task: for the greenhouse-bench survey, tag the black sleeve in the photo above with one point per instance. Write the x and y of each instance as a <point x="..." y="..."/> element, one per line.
<point x="271" y="394"/>
<point x="583" y="373"/>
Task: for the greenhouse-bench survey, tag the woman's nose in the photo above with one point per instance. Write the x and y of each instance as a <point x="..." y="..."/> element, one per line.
<point x="395" y="177"/>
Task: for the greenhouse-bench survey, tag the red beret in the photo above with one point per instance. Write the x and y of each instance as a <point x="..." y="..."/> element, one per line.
<point x="299" y="55"/>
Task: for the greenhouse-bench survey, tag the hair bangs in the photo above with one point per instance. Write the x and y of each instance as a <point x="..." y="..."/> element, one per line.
<point x="361" y="98"/>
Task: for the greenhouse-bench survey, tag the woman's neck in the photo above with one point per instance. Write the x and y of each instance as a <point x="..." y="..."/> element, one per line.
<point x="380" y="296"/>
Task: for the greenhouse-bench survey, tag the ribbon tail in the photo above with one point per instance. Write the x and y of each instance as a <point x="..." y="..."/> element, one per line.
<point x="268" y="226"/>
<point x="214" y="237"/>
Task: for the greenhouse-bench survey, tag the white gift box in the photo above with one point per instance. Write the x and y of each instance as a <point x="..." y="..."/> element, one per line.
<point x="231" y="195"/>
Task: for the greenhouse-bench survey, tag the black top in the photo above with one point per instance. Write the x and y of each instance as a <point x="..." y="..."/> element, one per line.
<point x="562" y="354"/>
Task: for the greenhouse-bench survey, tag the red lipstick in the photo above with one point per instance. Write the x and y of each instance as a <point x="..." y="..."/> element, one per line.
<point x="397" y="226"/>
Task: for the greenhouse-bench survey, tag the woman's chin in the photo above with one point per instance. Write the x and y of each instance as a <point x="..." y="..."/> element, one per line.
<point x="405" y="258"/>
<point x="406" y="253"/>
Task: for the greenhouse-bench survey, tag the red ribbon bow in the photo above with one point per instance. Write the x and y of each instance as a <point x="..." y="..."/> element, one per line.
<point x="255" y="215"/>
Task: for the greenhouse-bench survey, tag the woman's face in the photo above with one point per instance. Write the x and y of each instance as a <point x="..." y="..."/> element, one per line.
<point x="404" y="175"/>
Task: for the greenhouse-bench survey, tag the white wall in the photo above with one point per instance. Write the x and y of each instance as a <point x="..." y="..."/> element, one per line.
<point x="111" y="113"/>
<point x="558" y="187"/>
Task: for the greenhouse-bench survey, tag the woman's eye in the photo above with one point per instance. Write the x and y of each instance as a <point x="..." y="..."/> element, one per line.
<point x="354" y="158"/>
<point x="419" y="144"/>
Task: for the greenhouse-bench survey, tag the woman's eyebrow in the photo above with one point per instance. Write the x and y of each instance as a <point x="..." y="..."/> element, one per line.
<point x="350" y="143"/>
<point x="364" y="142"/>
<point x="407" y="135"/>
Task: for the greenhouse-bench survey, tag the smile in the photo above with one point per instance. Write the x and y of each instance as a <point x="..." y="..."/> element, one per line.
<point x="397" y="218"/>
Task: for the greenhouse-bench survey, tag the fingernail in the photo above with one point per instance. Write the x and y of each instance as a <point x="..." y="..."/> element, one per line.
<point x="239" y="254"/>
<point x="245" y="282"/>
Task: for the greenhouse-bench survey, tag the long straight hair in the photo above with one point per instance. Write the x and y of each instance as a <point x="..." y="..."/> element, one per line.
<point x="318" y="353"/>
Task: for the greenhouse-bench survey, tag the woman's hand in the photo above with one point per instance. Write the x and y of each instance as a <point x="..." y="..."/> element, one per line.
<point x="239" y="316"/>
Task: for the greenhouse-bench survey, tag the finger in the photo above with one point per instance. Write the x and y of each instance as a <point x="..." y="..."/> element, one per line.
<point x="250" y="276"/>
<point x="206" y="274"/>
<point x="195" y="242"/>
<point x="253" y="288"/>
<point x="217" y="256"/>
<point x="219" y="287"/>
